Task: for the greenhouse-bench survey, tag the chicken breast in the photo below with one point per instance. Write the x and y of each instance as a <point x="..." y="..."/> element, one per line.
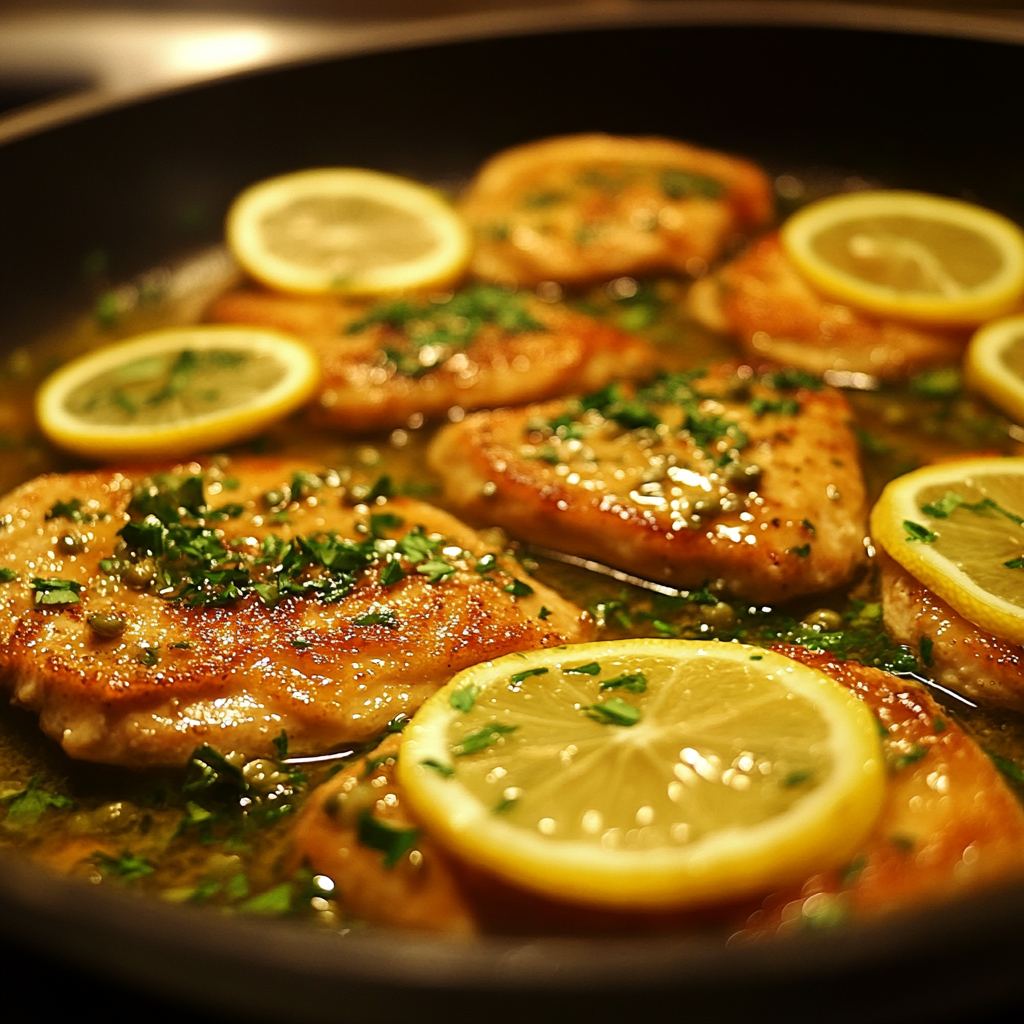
<point x="580" y="208"/>
<point x="962" y="657"/>
<point x="145" y="612"/>
<point x="762" y="299"/>
<point x="480" y="348"/>
<point x="751" y="479"/>
<point x="948" y="825"/>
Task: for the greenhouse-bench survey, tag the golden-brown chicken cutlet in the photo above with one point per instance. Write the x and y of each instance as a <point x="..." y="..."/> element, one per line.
<point x="963" y="657"/>
<point x="479" y="348"/>
<point x="751" y="479"/>
<point x="948" y="824"/>
<point x="580" y="208"/>
<point x="762" y="299"/>
<point x="146" y="612"/>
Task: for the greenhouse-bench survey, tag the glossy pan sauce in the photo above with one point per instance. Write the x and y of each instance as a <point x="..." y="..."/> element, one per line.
<point x="140" y="829"/>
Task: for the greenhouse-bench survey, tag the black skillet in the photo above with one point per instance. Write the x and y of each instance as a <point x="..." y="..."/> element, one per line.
<point x="909" y="99"/>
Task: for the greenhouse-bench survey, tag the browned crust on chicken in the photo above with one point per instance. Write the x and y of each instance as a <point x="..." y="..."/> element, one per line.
<point x="579" y="208"/>
<point x="964" y="657"/>
<point x="798" y="530"/>
<point x="362" y="390"/>
<point x="422" y="891"/>
<point x="248" y="670"/>
<point x="948" y="825"/>
<point x="762" y="299"/>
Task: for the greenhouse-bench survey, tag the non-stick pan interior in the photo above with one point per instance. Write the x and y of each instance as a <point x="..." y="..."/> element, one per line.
<point x="144" y="183"/>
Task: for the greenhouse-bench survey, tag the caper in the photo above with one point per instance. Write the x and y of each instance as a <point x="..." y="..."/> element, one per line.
<point x="71" y="543"/>
<point x="106" y="626"/>
<point x="274" y="498"/>
<point x="263" y="775"/>
<point x="139" y="576"/>
<point x="345" y="806"/>
<point x="707" y="507"/>
<point x="718" y="616"/>
<point x="742" y="473"/>
<point x="823" y="618"/>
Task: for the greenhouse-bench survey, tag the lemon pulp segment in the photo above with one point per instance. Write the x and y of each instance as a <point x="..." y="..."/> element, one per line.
<point x="175" y="391"/>
<point x="740" y="769"/>
<point x="995" y="364"/>
<point x="347" y="231"/>
<point x="958" y="527"/>
<point x="909" y="255"/>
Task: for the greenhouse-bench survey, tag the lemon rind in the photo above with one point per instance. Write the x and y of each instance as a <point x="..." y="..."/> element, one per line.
<point x="822" y="830"/>
<point x="996" y="297"/>
<point x="985" y="370"/>
<point x="198" y="433"/>
<point x="443" y="266"/>
<point x="953" y="585"/>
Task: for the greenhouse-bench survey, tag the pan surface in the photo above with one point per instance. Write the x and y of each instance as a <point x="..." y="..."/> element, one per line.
<point x="145" y="182"/>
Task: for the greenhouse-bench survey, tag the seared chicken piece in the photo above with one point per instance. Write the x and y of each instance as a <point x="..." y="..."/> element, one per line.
<point x="751" y="479"/>
<point x="581" y="208"/>
<point x="142" y="622"/>
<point x="963" y="657"/>
<point x="480" y="348"/>
<point x="948" y="825"/>
<point x="762" y="299"/>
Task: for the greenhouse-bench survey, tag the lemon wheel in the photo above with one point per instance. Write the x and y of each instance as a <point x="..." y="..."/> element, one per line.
<point x="958" y="527"/>
<point x="995" y="364"/>
<point x="174" y="392"/>
<point x="347" y="231"/>
<point x="909" y="255"/>
<point x="649" y="774"/>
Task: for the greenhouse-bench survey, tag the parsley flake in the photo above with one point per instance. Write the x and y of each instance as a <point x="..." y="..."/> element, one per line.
<point x="614" y="711"/>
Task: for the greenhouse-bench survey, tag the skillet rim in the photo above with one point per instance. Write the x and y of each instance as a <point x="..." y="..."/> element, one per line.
<point x="50" y="911"/>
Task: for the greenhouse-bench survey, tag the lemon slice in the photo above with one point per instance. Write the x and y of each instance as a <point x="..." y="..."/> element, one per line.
<point x="347" y="231"/>
<point x="174" y="392"/>
<point x="649" y="774"/>
<point x="958" y="527"/>
<point x="995" y="364"/>
<point x="909" y="255"/>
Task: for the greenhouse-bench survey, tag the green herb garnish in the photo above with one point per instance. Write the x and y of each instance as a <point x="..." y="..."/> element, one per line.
<point x="483" y="738"/>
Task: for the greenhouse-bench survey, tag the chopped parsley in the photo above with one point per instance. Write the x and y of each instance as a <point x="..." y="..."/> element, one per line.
<point x="392" y="842"/>
<point x="1013" y="563"/>
<point x="446" y="771"/>
<point x="680" y="184"/>
<point x="517" y="588"/>
<point x="464" y="698"/>
<point x="483" y="738"/>
<point x="591" y="668"/>
<point x="912" y="756"/>
<point x="26" y="806"/>
<point x="72" y="509"/>
<point x="926" y="647"/>
<point x="56" y="591"/>
<point x="801" y="552"/>
<point x="635" y="682"/>
<point x="526" y="673"/>
<point x="915" y="531"/>
<point x="7" y="575"/>
<point x="986" y="507"/>
<point x="384" y="617"/>
<point x="128" y="866"/>
<point x="614" y="711"/>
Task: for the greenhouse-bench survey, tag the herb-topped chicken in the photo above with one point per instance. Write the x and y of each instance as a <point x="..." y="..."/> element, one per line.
<point x="481" y="347"/>
<point x="144" y="613"/>
<point x="750" y="479"/>
<point x="579" y="208"/>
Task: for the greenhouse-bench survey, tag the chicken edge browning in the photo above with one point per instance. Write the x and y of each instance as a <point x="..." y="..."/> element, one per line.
<point x="140" y="628"/>
<point x="762" y="300"/>
<point x="961" y="656"/>
<point x="949" y="825"/>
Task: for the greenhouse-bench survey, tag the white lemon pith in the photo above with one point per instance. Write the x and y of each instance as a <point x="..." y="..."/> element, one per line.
<point x="958" y="527"/>
<point x="995" y="364"/>
<point x="176" y="391"/>
<point x="347" y="231"/>
<point x="645" y="774"/>
<point x="909" y="255"/>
